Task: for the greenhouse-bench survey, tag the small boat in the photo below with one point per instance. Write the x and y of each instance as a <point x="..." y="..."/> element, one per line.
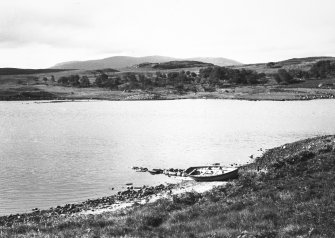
<point x="211" y="173"/>
<point x="172" y="173"/>
<point x="155" y="171"/>
<point x="141" y="169"/>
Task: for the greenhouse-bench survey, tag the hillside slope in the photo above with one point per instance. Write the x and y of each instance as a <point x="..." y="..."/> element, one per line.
<point x="303" y="64"/>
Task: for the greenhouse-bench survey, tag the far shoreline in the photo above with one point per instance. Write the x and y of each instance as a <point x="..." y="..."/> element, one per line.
<point x="247" y="93"/>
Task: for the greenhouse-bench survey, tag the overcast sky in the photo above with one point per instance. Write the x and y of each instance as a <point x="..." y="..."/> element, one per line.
<point x="41" y="33"/>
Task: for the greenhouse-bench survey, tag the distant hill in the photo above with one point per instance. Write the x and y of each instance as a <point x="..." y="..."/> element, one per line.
<point x="118" y="62"/>
<point x="111" y="62"/>
<point x="175" y="64"/>
<point x="16" y="71"/>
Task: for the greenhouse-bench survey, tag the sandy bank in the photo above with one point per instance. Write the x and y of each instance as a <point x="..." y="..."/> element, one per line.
<point x="183" y="187"/>
<point x="123" y="199"/>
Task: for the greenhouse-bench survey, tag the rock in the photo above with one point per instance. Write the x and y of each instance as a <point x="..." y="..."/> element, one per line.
<point x="246" y="234"/>
<point x="313" y="232"/>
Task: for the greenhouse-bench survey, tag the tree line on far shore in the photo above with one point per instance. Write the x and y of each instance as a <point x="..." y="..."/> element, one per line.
<point x="207" y="79"/>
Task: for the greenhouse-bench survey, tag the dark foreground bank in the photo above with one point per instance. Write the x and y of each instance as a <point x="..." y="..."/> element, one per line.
<point x="288" y="192"/>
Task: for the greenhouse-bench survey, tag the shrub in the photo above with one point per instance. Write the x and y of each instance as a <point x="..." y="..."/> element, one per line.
<point x="283" y="76"/>
<point x="72" y="80"/>
<point x="153" y="220"/>
<point x="188" y="198"/>
<point x="322" y="69"/>
<point x="84" y="81"/>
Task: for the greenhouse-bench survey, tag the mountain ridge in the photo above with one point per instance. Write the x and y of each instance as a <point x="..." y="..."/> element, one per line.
<point x="128" y="61"/>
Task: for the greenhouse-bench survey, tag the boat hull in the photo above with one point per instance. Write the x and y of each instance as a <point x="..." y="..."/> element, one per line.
<point x="155" y="171"/>
<point x="221" y="177"/>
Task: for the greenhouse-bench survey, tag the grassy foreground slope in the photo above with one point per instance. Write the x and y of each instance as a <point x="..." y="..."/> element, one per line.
<point x="292" y="195"/>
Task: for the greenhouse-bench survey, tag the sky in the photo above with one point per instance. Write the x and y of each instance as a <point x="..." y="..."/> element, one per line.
<point x="41" y="33"/>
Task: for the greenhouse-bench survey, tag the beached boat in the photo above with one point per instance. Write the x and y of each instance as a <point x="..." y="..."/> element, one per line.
<point x="155" y="171"/>
<point x="211" y="173"/>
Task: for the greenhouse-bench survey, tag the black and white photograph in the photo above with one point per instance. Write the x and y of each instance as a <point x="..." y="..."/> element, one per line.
<point x="167" y="118"/>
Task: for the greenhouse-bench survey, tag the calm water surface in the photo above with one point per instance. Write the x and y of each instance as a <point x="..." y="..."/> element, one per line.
<point x="57" y="153"/>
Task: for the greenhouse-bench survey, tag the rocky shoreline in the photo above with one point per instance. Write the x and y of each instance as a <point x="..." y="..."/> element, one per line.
<point x="122" y="199"/>
<point x="130" y="195"/>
